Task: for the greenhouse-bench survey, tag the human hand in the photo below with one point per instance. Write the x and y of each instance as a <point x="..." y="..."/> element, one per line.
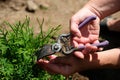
<point x="87" y="34"/>
<point x="67" y="65"/>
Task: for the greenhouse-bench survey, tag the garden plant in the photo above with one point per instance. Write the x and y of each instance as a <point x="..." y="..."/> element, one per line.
<point x="18" y="44"/>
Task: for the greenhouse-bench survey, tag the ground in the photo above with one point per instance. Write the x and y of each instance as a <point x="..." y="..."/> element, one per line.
<point x="57" y="13"/>
<point x="54" y="12"/>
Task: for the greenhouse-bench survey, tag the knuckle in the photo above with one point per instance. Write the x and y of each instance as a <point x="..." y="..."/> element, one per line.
<point x="73" y="19"/>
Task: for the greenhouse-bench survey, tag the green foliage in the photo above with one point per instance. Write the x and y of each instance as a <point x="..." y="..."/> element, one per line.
<point x="17" y="48"/>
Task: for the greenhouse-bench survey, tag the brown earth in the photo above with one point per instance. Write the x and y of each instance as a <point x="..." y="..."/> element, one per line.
<point x="57" y="13"/>
<point x="54" y="12"/>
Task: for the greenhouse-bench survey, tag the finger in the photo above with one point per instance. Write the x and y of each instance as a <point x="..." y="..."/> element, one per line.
<point x="44" y="64"/>
<point x="52" y="57"/>
<point x="57" y="68"/>
<point x="82" y="40"/>
<point x="75" y="44"/>
<point x="77" y="39"/>
<point x="96" y="41"/>
<point x="41" y="63"/>
<point x="89" y="49"/>
<point x="74" y="29"/>
<point x="99" y="48"/>
<point x="79" y="54"/>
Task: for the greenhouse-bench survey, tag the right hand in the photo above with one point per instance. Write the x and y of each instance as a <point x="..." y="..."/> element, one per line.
<point x="88" y="34"/>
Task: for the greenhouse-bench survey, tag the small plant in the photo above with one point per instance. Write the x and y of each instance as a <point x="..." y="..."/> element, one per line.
<point x="17" y="46"/>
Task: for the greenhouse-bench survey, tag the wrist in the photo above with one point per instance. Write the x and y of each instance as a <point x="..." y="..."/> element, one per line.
<point x="104" y="59"/>
<point x="90" y="61"/>
<point x="110" y="58"/>
<point x="93" y="9"/>
<point x="103" y="8"/>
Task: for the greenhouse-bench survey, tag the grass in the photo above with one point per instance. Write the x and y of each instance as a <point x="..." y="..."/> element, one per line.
<point x="17" y="46"/>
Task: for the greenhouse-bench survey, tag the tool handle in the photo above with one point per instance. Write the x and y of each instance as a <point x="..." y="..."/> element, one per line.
<point x="82" y="24"/>
<point x="86" y="21"/>
<point x="101" y="44"/>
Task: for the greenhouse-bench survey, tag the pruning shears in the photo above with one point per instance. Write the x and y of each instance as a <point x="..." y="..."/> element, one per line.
<point x="62" y="44"/>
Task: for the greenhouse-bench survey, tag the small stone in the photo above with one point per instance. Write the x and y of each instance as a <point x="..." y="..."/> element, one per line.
<point x="15" y="8"/>
<point x="43" y="6"/>
<point x="31" y="6"/>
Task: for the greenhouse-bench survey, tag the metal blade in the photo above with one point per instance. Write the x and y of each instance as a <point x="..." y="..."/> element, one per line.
<point x="44" y="51"/>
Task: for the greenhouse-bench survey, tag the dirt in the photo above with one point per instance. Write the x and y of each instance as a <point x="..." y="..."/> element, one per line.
<point x="54" y="12"/>
<point x="57" y="13"/>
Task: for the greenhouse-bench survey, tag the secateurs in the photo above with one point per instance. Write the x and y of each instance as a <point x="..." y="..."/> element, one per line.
<point x="63" y="43"/>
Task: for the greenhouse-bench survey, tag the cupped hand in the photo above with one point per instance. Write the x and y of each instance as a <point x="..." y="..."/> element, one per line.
<point x="65" y="65"/>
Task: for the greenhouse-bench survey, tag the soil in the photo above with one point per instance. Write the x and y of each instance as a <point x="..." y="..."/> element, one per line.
<point x="54" y="12"/>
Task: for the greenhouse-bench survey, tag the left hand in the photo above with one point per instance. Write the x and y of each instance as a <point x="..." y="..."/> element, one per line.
<point x="65" y="65"/>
